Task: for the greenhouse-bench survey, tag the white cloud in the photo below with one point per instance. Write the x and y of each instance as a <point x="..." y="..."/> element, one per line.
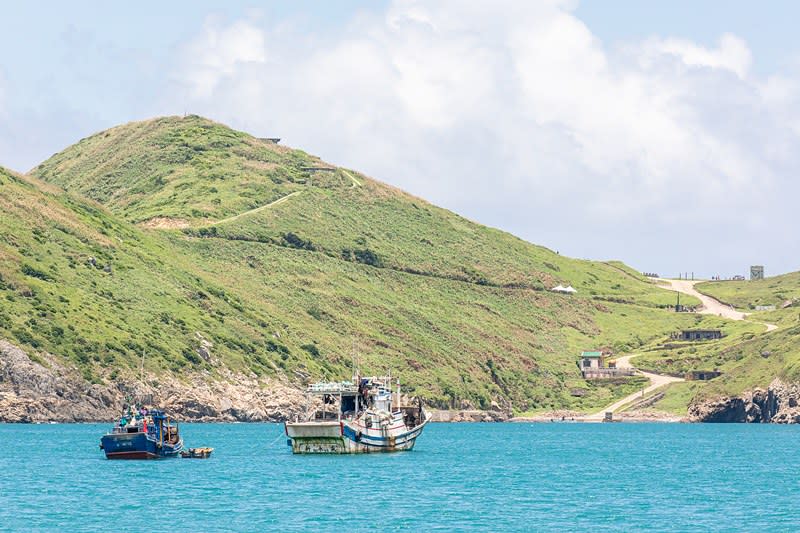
<point x="732" y="53"/>
<point x="219" y="52"/>
<point x="515" y="114"/>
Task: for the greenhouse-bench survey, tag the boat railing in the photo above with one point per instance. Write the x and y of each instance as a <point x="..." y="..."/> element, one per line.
<point x="321" y="416"/>
<point x="336" y="387"/>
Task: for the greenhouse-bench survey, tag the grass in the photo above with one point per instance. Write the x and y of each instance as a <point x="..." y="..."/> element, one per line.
<point x="202" y="173"/>
<point x="458" y="310"/>
<point x="746" y="295"/>
<point x="677" y="397"/>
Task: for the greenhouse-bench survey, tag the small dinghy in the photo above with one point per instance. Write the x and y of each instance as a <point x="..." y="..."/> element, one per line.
<point x="197" y="453"/>
<point x="142" y="434"/>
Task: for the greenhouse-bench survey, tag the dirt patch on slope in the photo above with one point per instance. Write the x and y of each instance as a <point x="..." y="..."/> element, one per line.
<point x="165" y="223"/>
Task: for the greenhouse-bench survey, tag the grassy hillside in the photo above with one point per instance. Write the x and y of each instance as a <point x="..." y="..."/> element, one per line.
<point x="173" y="233"/>
<point x="746" y="295"/>
<point x="194" y="173"/>
<point x="748" y="357"/>
<point x="751" y="360"/>
<point x="79" y="283"/>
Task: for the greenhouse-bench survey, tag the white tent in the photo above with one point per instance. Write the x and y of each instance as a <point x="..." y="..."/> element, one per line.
<point x="566" y="290"/>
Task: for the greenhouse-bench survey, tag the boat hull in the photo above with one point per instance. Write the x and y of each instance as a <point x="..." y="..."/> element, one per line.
<point x="348" y="437"/>
<point x="136" y="446"/>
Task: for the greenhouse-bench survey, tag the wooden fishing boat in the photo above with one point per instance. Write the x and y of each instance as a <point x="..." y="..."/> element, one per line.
<point x="365" y="417"/>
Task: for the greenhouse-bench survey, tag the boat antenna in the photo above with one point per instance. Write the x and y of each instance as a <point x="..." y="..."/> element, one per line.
<point x="355" y="361"/>
<point x="141" y="369"/>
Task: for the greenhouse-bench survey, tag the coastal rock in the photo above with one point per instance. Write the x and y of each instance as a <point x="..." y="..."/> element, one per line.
<point x="777" y="404"/>
<point x="471" y="415"/>
<point x="44" y="390"/>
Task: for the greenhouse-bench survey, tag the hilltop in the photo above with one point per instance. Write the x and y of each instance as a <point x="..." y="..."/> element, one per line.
<point x="195" y="174"/>
<point x="226" y="259"/>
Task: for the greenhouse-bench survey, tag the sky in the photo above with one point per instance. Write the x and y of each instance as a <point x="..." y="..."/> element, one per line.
<point x="661" y="133"/>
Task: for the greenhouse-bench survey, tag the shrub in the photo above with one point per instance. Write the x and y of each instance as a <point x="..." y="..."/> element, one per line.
<point x="33" y="272"/>
<point x="191" y="356"/>
<point x="365" y="256"/>
<point x="273" y="346"/>
<point x="293" y="241"/>
<point x="25" y="337"/>
<point x="311" y="348"/>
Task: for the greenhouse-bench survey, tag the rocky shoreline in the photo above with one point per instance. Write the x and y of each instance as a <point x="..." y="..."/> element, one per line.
<point x="470" y="415"/>
<point x="43" y="390"/>
<point x="777" y="404"/>
<point x="47" y="391"/>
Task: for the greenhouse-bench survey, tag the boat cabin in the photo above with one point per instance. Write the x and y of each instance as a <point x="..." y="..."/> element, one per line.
<point x="347" y="399"/>
<point x="153" y="422"/>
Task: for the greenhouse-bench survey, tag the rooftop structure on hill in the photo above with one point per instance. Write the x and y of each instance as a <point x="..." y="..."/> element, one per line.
<point x="756" y="272"/>
<point x="697" y="335"/>
<point x="594" y="365"/>
<point x="702" y="375"/>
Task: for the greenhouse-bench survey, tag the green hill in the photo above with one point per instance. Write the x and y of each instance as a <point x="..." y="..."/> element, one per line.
<point x="746" y="295"/>
<point x="178" y="232"/>
<point x="748" y="357"/>
<point x="193" y="173"/>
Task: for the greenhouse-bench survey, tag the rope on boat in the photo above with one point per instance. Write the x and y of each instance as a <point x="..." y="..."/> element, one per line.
<point x="281" y="436"/>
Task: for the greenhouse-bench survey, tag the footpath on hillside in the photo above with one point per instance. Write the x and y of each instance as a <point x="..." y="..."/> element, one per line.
<point x="354" y="183"/>
<point x="710" y="306"/>
<point x="258" y="209"/>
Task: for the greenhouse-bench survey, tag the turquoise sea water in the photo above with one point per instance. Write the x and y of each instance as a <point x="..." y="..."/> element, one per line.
<point x="460" y="477"/>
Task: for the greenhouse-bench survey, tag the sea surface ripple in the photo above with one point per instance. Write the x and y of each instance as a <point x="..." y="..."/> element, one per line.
<point x="460" y="477"/>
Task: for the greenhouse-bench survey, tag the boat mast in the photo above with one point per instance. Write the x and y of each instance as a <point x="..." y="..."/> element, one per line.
<point x="355" y="379"/>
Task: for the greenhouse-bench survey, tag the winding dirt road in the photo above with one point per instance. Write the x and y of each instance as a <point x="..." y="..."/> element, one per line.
<point x="656" y="381"/>
<point x="710" y="306"/>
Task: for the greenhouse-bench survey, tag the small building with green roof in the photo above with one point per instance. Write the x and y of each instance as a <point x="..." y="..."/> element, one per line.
<point x="592" y="360"/>
<point x="593" y="366"/>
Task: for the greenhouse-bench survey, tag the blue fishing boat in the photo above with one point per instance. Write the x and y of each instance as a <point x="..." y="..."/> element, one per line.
<point x="142" y="434"/>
